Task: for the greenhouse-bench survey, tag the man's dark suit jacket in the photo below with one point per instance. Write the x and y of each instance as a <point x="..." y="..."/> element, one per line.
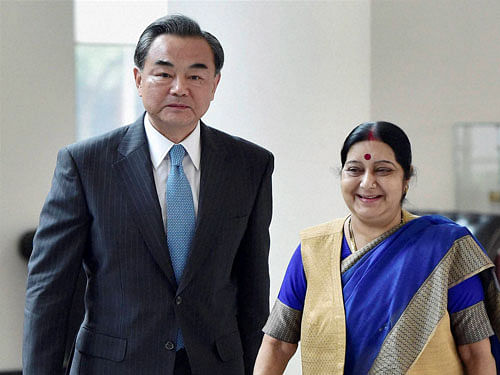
<point x="103" y="211"/>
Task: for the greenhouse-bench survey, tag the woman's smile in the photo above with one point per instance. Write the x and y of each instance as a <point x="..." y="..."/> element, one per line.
<point x="368" y="198"/>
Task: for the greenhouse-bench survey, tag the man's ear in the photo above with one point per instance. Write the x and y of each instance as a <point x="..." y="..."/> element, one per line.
<point x="138" y="80"/>
<point x="216" y="83"/>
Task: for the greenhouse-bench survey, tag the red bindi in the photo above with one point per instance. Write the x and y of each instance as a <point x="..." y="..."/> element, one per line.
<point x="368" y="156"/>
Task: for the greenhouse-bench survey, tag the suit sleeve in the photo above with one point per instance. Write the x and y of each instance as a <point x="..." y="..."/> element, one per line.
<point x="253" y="271"/>
<point x="53" y="269"/>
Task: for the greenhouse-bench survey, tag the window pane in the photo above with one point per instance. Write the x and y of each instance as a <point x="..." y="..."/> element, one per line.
<point x="106" y="97"/>
<point x="477" y="161"/>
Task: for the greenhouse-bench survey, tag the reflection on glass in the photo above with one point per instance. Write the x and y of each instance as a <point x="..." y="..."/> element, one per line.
<point x="106" y="97"/>
<point x="477" y="157"/>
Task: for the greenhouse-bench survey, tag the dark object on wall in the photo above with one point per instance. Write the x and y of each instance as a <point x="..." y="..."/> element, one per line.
<point x="77" y="307"/>
<point x="486" y="227"/>
<point x="26" y="244"/>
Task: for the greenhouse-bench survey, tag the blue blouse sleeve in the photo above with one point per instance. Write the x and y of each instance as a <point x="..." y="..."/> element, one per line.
<point x="293" y="288"/>
<point x="465" y="294"/>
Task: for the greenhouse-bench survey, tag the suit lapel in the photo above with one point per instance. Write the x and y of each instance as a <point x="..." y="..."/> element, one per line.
<point x="213" y="177"/>
<point x="136" y="174"/>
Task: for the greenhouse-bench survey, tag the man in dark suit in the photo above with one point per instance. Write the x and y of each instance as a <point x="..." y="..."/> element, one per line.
<point x="177" y="273"/>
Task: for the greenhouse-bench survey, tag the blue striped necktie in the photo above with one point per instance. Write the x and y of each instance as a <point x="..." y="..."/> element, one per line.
<point x="180" y="216"/>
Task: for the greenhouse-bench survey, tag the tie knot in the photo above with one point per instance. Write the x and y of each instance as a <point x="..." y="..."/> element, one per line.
<point x="177" y="153"/>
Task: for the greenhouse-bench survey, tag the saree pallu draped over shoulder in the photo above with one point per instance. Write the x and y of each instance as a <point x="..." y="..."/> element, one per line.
<point x="383" y="309"/>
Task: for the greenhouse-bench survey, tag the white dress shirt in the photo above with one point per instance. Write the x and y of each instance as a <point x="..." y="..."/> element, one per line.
<point x="159" y="146"/>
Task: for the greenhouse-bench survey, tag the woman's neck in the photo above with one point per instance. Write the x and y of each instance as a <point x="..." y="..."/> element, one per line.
<point x="361" y="233"/>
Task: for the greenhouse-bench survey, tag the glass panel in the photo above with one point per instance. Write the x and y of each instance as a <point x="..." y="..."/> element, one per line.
<point x="106" y="96"/>
<point x="477" y="154"/>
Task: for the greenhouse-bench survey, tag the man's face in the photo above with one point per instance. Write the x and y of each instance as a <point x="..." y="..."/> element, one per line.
<point x="177" y="83"/>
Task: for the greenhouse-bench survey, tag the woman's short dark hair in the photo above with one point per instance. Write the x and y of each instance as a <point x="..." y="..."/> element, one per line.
<point x="176" y="25"/>
<point x="386" y="132"/>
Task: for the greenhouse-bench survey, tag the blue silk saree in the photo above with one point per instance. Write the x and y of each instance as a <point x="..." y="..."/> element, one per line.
<point x="395" y="291"/>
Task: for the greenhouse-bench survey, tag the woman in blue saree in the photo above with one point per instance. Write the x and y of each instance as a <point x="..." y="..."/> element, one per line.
<point x="383" y="291"/>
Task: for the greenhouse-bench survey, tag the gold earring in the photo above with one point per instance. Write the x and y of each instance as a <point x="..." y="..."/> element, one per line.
<point x="405" y="189"/>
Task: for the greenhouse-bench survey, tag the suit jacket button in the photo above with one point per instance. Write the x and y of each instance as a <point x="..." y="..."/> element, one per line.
<point x="178" y="300"/>
<point x="169" y="345"/>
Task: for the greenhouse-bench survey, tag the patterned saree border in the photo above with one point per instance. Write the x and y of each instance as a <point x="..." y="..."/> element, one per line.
<point x="283" y="323"/>
<point x="471" y="325"/>
<point x="492" y="300"/>
<point x="409" y="336"/>
<point x="470" y="254"/>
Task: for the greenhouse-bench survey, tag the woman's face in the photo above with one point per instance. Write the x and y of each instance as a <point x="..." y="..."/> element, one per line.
<point x="372" y="183"/>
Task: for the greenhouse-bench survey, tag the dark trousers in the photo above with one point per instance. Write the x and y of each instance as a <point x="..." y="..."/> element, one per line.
<point x="182" y="366"/>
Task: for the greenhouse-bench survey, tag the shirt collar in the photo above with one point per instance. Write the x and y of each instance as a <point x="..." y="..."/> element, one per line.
<point x="159" y="145"/>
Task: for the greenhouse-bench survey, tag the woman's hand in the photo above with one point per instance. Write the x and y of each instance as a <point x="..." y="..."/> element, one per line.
<point x="273" y="356"/>
<point x="477" y="358"/>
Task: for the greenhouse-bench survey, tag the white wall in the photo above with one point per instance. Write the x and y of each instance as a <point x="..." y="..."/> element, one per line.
<point x="296" y="80"/>
<point x="434" y="63"/>
<point x="115" y="21"/>
<point x="36" y="119"/>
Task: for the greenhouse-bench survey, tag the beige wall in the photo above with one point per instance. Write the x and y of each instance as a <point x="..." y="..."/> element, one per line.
<point x="36" y="119"/>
